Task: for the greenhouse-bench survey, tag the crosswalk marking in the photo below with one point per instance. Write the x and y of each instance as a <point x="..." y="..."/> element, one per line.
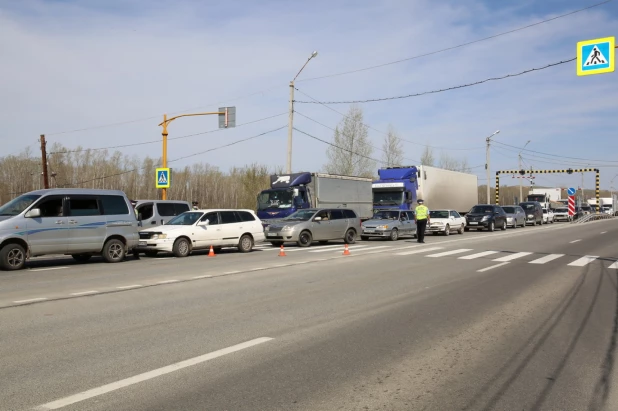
<point x="587" y="259"/>
<point x="325" y="249"/>
<point x="461" y="250"/>
<point x="547" y="258"/>
<point x="512" y="257"/>
<point x="422" y="250"/>
<point x="477" y="255"/>
<point x="614" y="266"/>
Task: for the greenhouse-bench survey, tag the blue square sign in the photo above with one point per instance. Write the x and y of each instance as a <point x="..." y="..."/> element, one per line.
<point x="596" y="56"/>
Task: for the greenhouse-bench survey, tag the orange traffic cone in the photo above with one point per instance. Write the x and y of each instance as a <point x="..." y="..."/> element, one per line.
<point x="211" y="253"/>
<point x="346" y="251"/>
<point x="282" y="252"/>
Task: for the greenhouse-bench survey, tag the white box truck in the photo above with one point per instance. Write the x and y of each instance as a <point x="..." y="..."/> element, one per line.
<point x="446" y="189"/>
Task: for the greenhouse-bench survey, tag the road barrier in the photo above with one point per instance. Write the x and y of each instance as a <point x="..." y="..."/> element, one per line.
<point x="592" y="217"/>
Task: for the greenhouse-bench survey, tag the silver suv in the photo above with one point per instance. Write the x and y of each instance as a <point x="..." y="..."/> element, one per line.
<point x="390" y="224"/>
<point x="314" y="224"/>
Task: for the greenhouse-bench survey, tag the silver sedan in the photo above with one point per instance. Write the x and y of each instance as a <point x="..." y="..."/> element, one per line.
<point x="515" y="216"/>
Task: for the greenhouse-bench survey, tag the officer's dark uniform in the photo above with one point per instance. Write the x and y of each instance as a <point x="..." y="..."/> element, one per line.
<point x="421" y="215"/>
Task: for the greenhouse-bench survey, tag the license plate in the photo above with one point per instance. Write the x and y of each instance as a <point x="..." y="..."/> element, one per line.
<point x="473" y="223"/>
<point x="370" y="231"/>
<point x="142" y="243"/>
<point x="271" y="234"/>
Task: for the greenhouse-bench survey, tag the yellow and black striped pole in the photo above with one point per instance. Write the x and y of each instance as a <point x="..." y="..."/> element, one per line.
<point x="597" y="189"/>
<point x="497" y="189"/>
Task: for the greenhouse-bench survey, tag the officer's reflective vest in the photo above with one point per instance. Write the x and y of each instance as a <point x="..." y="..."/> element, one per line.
<point x="421" y="212"/>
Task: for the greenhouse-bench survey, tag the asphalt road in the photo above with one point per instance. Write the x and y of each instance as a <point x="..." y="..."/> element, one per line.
<point x="520" y="320"/>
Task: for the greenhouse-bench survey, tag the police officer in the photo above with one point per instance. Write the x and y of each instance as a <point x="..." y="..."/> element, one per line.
<point x="421" y="216"/>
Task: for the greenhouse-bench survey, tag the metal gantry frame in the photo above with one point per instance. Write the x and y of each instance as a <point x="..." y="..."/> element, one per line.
<point x="597" y="187"/>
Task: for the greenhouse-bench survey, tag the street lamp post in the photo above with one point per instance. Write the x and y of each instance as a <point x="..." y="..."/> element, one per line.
<point x="291" y="113"/>
<point x="487" y="165"/>
<point x="521" y="194"/>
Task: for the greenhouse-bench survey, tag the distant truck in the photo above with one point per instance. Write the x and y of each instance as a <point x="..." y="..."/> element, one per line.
<point x="400" y="187"/>
<point x="608" y="205"/>
<point x="545" y="196"/>
<point x="289" y="193"/>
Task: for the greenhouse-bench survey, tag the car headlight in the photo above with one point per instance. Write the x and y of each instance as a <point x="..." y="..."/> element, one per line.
<point x="382" y="227"/>
<point x="485" y="218"/>
<point x="159" y="236"/>
<point x="530" y="216"/>
<point x="286" y="228"/>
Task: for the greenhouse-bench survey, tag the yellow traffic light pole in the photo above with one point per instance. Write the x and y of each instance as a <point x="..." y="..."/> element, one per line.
<point x="164" y="124"/>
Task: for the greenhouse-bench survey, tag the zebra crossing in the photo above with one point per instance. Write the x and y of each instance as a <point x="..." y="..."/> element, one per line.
<point x="460" y="254"/>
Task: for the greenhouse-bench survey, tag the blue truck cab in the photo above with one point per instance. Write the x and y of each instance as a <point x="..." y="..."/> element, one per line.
<point x="287" y="194"/>
<point x="396" y="188"/>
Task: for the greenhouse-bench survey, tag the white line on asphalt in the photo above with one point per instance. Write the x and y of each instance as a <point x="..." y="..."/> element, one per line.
<point x="351" y="247"/>
<point x="129" y="286"/>
<point x="478" y="255"/>
<point x="30" y="300"/>
<point x="422" y="250"/>
<point x="546" y="259"/>
<point x="587" y="259"/>
<point x="574" y="241"/>
<point x="461" y="250"/>
<point x="95" y="392"/>
<point x="47" y="269"/>
<point x="165" y="258"/>
<point x="603" y="232"/>
<point x="231" y="272"/>
<point x="167" y="281"/>
<point x="255" y="269"/>
<point x="512" y="256"/>
<point x="202" y="276"/>
<point x="491" y="267"/>
<point x="85" y="292"/>
<point x="365" y="248"/>
<point x="614" y="266"/>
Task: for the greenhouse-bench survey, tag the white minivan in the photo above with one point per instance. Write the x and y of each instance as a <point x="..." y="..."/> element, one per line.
<point x="201" y="229"/>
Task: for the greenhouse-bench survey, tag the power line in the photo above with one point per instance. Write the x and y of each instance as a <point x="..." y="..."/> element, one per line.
<point x="441" y="90"/>
<point x="172" y="138"/>
<point x="384" y="133"/>
<point x="555" y="155"/>
<point x="457" y="46"/>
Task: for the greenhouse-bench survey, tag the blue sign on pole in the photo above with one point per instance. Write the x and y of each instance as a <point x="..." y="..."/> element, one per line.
<point x="596" y="56"/>
<point x="571" y="191"/>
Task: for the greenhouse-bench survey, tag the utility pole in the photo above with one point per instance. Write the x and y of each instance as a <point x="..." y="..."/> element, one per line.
<point x="44" y="160"/>
<point x="291" y="114"/>
<point x="487" y="165"/>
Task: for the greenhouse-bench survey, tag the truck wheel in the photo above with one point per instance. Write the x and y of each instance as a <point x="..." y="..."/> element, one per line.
<point x="12" y="257"/>
<point x="461" y="229"/>
<point x="350" y="237"/>
<point x="113" y="251"/>
<point x="181" y="248"/>
<point x="304" y="239"/>
<point x="447" y="230"/>
<point x="364" y="238"/>
<point x="394" y="235"/>
<point x="245" y="244"/>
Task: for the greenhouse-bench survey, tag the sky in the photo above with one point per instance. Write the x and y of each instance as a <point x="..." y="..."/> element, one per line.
<point x="112" y="68"/>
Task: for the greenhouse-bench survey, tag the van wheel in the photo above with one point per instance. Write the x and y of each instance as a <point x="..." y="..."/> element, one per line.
<point x="12" y="257"/>
<point x="305" y="239"/>
<point x="245" y="244"/>
<point x="81" y="258"/>
<point x="350" y="237"/>
<point x="113" y="251"/>
<point x="181" y="248"/>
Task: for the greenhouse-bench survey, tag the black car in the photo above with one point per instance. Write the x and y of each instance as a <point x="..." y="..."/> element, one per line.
<point x="485" y="216"/>
<point x="534" y="212"/>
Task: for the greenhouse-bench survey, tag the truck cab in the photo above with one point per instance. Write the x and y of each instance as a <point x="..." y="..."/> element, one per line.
<point x="396" y="188"/>
<point x="286" y="195"/>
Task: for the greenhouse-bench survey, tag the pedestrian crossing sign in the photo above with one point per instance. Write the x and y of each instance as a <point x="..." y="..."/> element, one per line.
<point x="162" y="176"/>
<point x="596" y="56"/>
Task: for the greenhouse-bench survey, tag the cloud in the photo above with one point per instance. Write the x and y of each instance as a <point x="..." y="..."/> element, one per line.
<point x="71" y="64"/>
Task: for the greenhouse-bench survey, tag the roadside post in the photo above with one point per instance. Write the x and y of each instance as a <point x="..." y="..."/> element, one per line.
<point x="571" y="194"/>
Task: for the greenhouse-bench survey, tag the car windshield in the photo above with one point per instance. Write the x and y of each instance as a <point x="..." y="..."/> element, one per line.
<point x="18" y="205"/>
<point x="509" y="210"/>
<point x="438" y="214"/>
<point x="275" y="199"/>
<point x="482" y="210"/>
<point x="386" y="215"/>
<point x="562" y="210"/>
<point x="187" y="218"/>
<point x="528" y="206"/>
<point x="301" y="215"/>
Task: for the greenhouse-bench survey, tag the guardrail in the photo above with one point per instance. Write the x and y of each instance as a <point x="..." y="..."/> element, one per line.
<point x="592" y="217"/>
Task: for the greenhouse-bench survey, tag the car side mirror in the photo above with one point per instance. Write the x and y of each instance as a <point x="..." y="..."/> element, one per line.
<point x="34" y="213"/>
<point x="203" y="223"/>
<point x="317" y="219"/>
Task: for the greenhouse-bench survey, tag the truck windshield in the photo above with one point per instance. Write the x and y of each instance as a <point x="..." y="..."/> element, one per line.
<point x="275" y="199"/>
<point x="18" y="205"/>
<point x="386" y="215"/>
<point x="187" y="218"/>
<point x="537" y="197"/>
<point x="388" y="197"/>
<point x="302" y="215"/>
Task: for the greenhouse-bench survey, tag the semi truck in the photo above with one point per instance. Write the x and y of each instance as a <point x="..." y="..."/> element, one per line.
<point x="289" y="193"/>
<point x="546" y="196"/>
<point x="400" y="187"/>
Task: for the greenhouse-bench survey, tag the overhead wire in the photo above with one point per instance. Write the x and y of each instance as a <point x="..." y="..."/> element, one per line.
<point x="457" y="46"/>
<point x="555" y="155"/>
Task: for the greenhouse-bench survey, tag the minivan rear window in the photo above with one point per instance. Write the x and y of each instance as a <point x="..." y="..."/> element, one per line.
<point x="114" y="205"/>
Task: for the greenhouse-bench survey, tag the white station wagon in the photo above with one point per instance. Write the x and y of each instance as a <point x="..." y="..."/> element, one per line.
<point x="445" y="222"/>
<point x="201" y="229"/>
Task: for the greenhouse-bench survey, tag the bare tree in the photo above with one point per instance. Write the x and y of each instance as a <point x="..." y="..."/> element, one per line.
<point x="427" y="158"/>
<point x="448" y="162"/>
<point x="393" y="148"/>
<point x="351" y="151"/>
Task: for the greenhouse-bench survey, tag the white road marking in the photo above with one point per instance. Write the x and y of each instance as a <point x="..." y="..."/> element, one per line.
<point x="603" y="232"/>
<point x="129" y="286"/>
<point x="478" y="255"/>
<point x="30" y="300"/>
<point x="491" y="267"/>
<point x="351" y="247"/>
<point x="48" y="269"/>
<point x="232" y="272"/>
<point x="614" y="266"/>
<point x="254" y="269"/>
<point x="574" y="241"/>
<point x="167" y="281"/>
<point x="461" y="250"/>
<point x="546" y="259"/>
<point x="423" y="250"/>
<point x="364" y="248"/>
<point x="202" y="276"/>
<point x="95" y="392"/>
<point x="512" y="256"/>
<point x="85" y="292"/>
<point x="587" y="259"/>
<point x="165" y="258"/>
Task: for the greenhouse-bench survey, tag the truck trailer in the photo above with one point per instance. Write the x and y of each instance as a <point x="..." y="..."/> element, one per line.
<point x="289" y="193"/>
<point x="400" y="187"/>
